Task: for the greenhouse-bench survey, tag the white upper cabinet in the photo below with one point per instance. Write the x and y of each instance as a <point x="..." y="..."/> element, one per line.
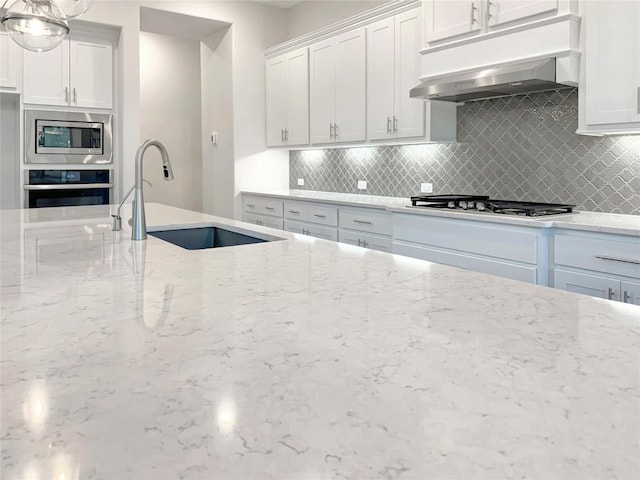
<point x="288" y="99"/>
<point x="610" y="90"/>
<point x="10" y="63"/>
<point x="393" y="68"/>
<point x="446" y="19"/>
<point x="338" y="88"/>
<point x="77" y="73"/>
<point x="453" y="20"/>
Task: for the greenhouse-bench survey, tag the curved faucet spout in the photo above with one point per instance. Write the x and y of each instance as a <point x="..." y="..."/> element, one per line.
<point x="139" y="225"/>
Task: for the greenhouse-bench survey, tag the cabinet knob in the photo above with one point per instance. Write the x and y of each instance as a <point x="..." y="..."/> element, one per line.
<point x="388" y="124"/>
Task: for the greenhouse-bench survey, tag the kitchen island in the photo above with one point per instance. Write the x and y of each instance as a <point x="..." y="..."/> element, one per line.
<point x="297" y="358"/>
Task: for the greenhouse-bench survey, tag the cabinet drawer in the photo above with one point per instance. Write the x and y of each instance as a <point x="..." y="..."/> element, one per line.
<point x="605" y="254"/>
<point x="262" y="206"/>
<point x="263" y="220"/>
<point x="524" y="273"/>
<point x="317" y="231"/>
<point x="519" y="244"/>
<point x="592" y="285"/>
<point x="365" y="220"/>
<point x="366" y="240"/>
<point x="323" y="214"/>
<point x="296" y="211"/>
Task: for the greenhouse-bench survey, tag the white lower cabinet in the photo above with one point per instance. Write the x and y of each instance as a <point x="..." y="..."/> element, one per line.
<point x="600" y="265"/>
<point x="365" y="227"/>
<point x="504" y="250"/>
<point x="314" y="219"/>
<point x="263" y="211"/>
<point x="317" y="231"/>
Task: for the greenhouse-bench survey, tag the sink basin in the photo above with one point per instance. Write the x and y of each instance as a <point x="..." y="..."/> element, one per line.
<point x="198" y="238"/>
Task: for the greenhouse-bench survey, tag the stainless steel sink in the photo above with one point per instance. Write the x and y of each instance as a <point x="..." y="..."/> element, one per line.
<point x="208" y="236"/>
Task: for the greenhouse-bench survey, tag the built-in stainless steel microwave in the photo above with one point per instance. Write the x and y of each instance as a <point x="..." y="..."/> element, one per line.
<point x="67" y="137"/>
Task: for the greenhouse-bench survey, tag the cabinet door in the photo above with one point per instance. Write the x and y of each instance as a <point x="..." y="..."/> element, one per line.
<point x="592" y="285"/>
<point x="409" y="115"/>
<point x="351" y="86"/>
<point x="91" y="73"/>
<point x="630" y="292"/>
<point x="381" y="79"/>
<point x="322" y="85"/>
<point x="276" y="100"/>
<point x="504" y="11"/>
<point x="46" y="76"/>
<point x="612" y="62"/>
<point x="297" y="97"/>
<point x="446" y="19"/>
<point x="10" y="62"/>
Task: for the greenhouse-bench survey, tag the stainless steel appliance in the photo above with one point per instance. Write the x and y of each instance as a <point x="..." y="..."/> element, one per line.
<point x="67" y="137"/>
<point x="482" y="203"/>
<point x="64" y="188"/>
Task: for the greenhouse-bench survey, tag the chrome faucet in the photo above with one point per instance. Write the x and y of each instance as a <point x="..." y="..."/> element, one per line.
<point x="139" y="225"/>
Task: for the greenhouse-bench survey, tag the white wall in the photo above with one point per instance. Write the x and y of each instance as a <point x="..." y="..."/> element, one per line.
<point x="311" y="15"/>
<point x="170" y="111"/>
<point x="218" y="165"/>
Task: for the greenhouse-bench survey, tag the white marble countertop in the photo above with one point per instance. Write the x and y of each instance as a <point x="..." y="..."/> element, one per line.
<point x="297" y="359"/>
<point x="585" y="221"/>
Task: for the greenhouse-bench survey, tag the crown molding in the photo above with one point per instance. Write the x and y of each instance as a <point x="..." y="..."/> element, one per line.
<point x="362" y="19"/>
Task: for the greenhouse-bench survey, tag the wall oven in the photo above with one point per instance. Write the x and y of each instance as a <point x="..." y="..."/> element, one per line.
<point x="65" y="188"/>
<point x="67" y="137"/>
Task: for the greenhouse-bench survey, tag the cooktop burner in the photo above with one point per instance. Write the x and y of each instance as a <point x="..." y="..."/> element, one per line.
<point x="484" y="203"/>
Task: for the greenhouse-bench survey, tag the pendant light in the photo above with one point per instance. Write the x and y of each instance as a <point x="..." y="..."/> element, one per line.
<point x="36" y="25"/>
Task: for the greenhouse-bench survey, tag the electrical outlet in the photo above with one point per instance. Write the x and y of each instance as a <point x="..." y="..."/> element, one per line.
<point x="301" y="182"/>
<point x="362" y="185"/>
<point x="426" y="187"/>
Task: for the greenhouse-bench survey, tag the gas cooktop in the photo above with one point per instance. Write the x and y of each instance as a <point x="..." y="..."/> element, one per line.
<point x="483" y="203"/>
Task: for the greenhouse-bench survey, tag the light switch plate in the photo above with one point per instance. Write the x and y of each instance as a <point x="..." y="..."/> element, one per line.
<point x="362" y="185"/>
<point x="301" y="182"/>
<point x="426" y="187"/>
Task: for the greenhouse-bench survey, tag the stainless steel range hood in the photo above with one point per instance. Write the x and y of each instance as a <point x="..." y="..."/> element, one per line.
<point x="517" y="78"/>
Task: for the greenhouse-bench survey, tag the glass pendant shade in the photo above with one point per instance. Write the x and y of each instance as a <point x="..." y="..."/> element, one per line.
<point x="73" y="8"/>
<point x="36" y="25"/>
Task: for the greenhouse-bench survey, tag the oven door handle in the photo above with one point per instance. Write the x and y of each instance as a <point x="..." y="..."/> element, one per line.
<point x="68" y="186"/>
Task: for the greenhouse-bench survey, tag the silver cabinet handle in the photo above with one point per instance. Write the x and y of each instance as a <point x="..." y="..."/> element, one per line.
<point x="473" y="13"/>
<point x="286" y="134"/>
<point x="366" y="222"/>
<point x="66" y="94"/>
<point x="294" y="211"/>
<point x="331" y="130"/>
<point x="269" y="208"/>
<point x="75" y="96"/>
<point x="388" y="125"/>
<point x="489" y="16"/>
<point x="250" y="205"/>
<point x="359" y="242"/>
<point x="365" y="244"/>
<point x="615" y="259"/>
<point x="395" y="124"/>
<point x="282" y="134"/>
<point x="319" y="215"/>
<point x="626" y="297"/>
<point x="335" y="130"/>
<point x="611" y="293"/>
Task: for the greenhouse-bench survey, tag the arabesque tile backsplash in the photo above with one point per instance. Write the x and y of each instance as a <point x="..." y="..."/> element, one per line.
<point x="522" y="147"/>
